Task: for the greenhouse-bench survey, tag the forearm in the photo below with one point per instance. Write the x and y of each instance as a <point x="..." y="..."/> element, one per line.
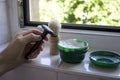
<point x="3" y="68"/>
<point x="4" y="65"/>
<point x="7" y="63"/>
<point x="14" y="55"/>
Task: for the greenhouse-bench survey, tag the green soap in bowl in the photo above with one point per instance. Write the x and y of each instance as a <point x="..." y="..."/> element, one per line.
<point x="72" y="50"/>
<point x="105" y="59"/>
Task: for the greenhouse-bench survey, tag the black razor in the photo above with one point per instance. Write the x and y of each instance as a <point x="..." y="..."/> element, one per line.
<point x="46" y="31"/>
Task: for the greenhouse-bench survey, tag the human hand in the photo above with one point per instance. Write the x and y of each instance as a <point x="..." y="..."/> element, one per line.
<point x="15" y="53"/>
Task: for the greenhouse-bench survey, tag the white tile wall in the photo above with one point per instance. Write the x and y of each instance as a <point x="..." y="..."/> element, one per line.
<point x="63" y="76"/>
<point x="29" y="73"/>
<point x="2" y="0"/>
<point x="4" y="29"/>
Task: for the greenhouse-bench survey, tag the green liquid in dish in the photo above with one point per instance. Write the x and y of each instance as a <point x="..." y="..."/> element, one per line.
<point x="106" y="59"/>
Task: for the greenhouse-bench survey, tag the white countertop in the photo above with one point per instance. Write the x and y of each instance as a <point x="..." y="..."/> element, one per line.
<point x="85" y="68"/>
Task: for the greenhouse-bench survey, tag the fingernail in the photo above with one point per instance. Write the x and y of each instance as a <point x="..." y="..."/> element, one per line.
<point x="38" y="36"/>
<point x="30" y="56"/>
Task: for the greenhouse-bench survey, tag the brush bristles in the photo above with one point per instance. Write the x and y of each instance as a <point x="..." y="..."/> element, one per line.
<point x="55" y="25"/>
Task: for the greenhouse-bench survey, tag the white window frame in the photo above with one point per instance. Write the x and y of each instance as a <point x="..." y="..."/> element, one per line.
<point x="95" y="38"/>
<point x="27" y="17"/>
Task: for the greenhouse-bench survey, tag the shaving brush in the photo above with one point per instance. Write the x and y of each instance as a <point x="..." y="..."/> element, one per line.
<point x="55" y="25"/>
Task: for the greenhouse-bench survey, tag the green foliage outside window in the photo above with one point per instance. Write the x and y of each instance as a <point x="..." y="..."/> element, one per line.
<point x="99" y="12"/>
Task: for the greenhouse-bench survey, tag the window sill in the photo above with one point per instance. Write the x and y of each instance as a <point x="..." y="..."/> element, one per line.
<point x="54" y="63"/>
<point x="90" y="32"/>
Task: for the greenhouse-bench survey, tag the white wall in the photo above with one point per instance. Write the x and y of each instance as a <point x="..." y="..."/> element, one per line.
<point x="9" y="23"/>
<point x="4" y="27"/>
<point x="13" y="16"/>
<point x="97" y="40"/>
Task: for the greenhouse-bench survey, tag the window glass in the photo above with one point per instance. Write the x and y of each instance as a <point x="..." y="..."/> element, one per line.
<point x="95" y="12"/>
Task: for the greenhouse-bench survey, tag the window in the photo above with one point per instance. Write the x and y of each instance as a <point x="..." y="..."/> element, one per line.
<point x="101" y="15"/>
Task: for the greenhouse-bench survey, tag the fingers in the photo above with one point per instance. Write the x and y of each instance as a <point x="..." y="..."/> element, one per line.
<point x="26" y="37"/>
<point x="27" y="48"/>
<point x="31" y="38"/>
<point x="35" y="53"/>
<point x="35" y="31"/>
<point x="46" y="38"/>
<point x="31" y="35"/>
